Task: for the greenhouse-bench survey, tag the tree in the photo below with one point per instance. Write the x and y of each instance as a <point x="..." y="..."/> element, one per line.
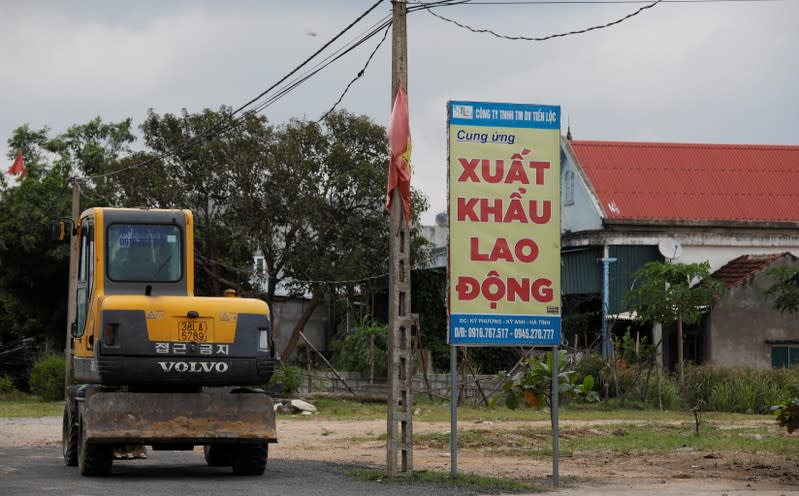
<point x="33" y="282"/>
<point x="785" y="289"/>
<point x="309" y="195"/>
<point x="668" y="292"/>
<point x="314" y="204"/>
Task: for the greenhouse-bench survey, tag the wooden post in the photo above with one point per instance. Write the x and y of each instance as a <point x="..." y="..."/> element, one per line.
<point x="73" y="279"/>
<point x="308" y="368"/>
<point x="371" y="360"/>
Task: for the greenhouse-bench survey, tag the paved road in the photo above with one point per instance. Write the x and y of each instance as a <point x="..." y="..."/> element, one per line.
<point x="41" y="472"/>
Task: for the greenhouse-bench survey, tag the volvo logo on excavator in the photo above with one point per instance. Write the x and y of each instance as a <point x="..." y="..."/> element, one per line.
<point x="194" y="367"/>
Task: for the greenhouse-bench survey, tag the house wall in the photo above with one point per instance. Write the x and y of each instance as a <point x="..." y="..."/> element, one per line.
<point x="579" y="210"/>
<point x="712" y="245"/>
<point x="720" y="248"/>
<point x="286" y="315"/>
<point x="742" y="321"/>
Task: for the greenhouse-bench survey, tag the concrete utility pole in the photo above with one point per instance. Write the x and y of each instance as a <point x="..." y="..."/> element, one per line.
<point x="401" y="323"/>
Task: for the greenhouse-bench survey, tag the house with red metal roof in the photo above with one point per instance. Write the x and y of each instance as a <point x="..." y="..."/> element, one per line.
<point x="624" y="204"/>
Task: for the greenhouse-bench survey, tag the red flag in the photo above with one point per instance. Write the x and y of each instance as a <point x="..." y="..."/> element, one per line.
<point x="18" y="167"/>
<point x="399" y="139"/>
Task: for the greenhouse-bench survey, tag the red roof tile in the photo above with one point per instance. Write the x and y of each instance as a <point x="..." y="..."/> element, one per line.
<point x="692" y="182"/>
<point x="743" y="268"/>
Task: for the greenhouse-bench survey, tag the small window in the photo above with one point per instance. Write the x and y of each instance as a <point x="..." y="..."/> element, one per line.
<point x="259" y="265"/>
<point x="144" y="253"/>
<point x="568" y="188"/>
<point x="784" y="355"/>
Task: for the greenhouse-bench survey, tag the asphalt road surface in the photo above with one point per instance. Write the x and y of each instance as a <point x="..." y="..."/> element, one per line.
<point x="41" y="472"/>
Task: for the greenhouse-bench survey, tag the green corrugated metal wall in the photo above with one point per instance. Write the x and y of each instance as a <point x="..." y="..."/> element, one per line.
<point x="628" y="260"/>
<point x="582" y="272"/>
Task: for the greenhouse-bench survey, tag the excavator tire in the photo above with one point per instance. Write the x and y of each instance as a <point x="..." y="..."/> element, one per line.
<point x="250" y="459"/>
<point x="69" y="437"/>
<point x="93" y="459"/>
<point x="217" y="455"/>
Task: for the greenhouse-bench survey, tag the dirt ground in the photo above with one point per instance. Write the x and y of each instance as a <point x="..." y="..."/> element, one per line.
<point x="598" y="472"/>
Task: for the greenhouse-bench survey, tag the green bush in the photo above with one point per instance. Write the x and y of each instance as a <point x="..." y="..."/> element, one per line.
<point x="534" y="385"/>
<point x="787" y="409"/>
<point x="625" y="347"/>
<point x="639" y="383"/>
<point x="289" y="376"/>
<point x="47" y="378"/>
<point x="740" y="390"/>
<point x="594" y="365"/>
<point x="6" y="385"/>
<point x="352" y="352"/>
<point x="669" y="393"/>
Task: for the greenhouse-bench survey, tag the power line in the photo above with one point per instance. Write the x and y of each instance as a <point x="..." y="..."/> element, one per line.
<point x="551" y="36"/>
<point x="419" y="265"/>
<point x="425" y="5"/>
<point x="322" y="65"/>
<point x="226" y="124"/>
<point x="311" y="57"/>
<point x="358" y="76"/>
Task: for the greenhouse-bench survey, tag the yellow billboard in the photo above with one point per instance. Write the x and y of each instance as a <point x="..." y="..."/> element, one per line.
<point x="504" y="217"/>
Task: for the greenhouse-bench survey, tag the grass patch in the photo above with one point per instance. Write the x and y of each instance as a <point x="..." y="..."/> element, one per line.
<point x="629" y="439"/>
<point x="345" y="410"/>
<point x="466" y="481"/>
<point x="659" y="438"/>
<point x="16" y="404"/>
<point x="439" y="411"/>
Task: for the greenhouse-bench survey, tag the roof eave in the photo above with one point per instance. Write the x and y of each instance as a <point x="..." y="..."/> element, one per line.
<point x="758" y="224"/>
<point x="592" y="194"/>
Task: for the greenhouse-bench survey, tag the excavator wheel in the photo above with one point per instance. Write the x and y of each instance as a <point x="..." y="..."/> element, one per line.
<point x="217" y="455"/>
<point x="250" y="459"/>
<point x="93" y="459"/>
<point x="69" y="437"/>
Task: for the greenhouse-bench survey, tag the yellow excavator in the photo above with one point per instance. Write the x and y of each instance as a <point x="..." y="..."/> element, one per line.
<point x="158" y="366"/>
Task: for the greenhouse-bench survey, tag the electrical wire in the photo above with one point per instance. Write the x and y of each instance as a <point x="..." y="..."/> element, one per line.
<point x="590" y="2"/>
<point x="323" y="65"/>
<point x="311" y="57"/>
<point x="419" y="265"/>
<point x="357" y="76"/>
<point x="548" y="37"/>
<point x="230" y="121"/>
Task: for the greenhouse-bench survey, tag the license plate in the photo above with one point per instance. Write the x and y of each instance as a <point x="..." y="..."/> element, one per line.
<point x="193" y="330"/>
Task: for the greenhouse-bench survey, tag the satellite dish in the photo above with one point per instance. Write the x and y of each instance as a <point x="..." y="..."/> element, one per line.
<point x="670" y="248"/>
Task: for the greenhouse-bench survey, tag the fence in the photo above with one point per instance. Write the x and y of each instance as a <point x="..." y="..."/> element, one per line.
<point x="471" y="388"/>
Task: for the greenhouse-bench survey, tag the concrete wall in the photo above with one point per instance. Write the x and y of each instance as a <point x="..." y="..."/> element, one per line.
<point x="286" y="315"/>
<point x="742" y="321"/>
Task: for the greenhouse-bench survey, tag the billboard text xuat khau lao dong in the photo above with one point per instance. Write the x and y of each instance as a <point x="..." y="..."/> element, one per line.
<point x="504" y="217"/>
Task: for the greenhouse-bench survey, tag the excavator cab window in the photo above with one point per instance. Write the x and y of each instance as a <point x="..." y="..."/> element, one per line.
<point x="85" y="275"/>
<point x="144" y="253"/>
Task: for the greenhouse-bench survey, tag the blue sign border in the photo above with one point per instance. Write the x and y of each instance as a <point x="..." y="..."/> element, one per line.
<point x="504" y="330"/>
<point x="491" y="114"/>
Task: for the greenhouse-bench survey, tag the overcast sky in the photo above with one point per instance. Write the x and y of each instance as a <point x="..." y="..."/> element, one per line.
<point x="715" y="72"/>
